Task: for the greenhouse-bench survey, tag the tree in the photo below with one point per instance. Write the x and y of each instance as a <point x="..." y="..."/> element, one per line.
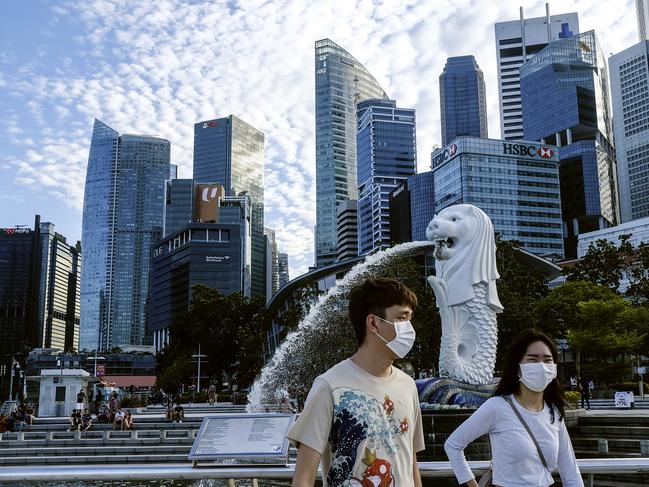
<point x="558" y="312"/>
<point x="603" y="264"/>
<point x="604" y="335"/>
<point x="230" y="330"/>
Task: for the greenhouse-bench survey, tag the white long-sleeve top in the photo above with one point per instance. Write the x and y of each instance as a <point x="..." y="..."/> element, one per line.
<point x="515" y="460"/>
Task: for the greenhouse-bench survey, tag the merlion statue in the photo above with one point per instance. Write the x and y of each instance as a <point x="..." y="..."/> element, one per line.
<point x="465" y="289"/>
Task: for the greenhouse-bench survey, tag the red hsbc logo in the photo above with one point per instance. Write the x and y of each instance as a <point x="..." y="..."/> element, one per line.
<point x="10" y="231"/>
<point x="212" y="123"/>
<point x="545" y="152"/>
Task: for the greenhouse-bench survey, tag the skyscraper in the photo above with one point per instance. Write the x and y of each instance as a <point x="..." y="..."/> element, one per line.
<point x="340" y="82"/>
<point x="272" y="279"/>
<point x="216" y="254"/>
<point x="565" y="95"/>
<point x="123" y="212"/>
<point x="58" y="309"/>
<point x="179" y="196"/>
<point x="462" y="99"/>
<point x="230" y="152"/>
<point x="386" y="147"/>
<point x="642" y="12"/>
<point x="516" y="42"/>
<point x="347" y="229"/>
<point x="630" y="94"/>
<point x="282" y="264"/>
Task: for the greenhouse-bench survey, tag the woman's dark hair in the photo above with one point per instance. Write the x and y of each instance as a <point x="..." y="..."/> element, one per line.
<point x="372" y="297"/>
<point x="509" y="382"/>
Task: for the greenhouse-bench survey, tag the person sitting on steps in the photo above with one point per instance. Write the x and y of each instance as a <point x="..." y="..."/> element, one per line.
<point x="118" y="423"/>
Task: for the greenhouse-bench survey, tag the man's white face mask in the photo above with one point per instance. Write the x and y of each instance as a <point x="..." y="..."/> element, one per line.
<point x="403" y="341"/>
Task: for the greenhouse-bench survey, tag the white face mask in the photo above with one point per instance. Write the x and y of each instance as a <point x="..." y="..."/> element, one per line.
<point x="404" y="340"/>
<point x="537" y="375"/>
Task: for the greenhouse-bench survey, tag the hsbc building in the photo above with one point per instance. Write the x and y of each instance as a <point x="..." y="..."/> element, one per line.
<point x="515" y="182"/>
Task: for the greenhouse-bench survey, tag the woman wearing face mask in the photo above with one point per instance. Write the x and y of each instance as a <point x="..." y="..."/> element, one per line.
<point x="524" y="420"/>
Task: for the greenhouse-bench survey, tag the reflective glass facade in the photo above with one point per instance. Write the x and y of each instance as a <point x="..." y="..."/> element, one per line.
<point x="340" y="81"/>
<point x="230" y="152"/>
<point x="386" y="148"/>
<point x="516" y="184"/>
<point x="422" y="203"/>
<point x="179" y="201"/>
<point x="463" y="99"/>
<point x="630" y="94"/>
<point x="17" y="282"/>
<point x="122" y="219"/>
<point x="516" y="42"/>
<point x="58" y="310"/>
<point x="565" y="99"/>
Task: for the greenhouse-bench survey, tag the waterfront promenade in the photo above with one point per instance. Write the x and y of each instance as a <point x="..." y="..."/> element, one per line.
<point x="157" y="446"/>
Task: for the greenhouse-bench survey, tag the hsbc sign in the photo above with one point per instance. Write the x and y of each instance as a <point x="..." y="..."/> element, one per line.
<point x="444" y="155"/>
<point x="528" y="150"/>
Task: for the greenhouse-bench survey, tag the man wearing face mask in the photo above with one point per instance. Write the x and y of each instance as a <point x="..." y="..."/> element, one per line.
<point x="524" y="421"/>
<point x="361" y="419"/>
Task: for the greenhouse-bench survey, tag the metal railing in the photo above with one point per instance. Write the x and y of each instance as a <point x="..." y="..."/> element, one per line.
<point x="589" y="467"/>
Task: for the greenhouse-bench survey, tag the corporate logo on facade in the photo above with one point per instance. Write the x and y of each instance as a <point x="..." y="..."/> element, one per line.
<point x="444" y="155"/>
<point x="527" y="150"/>
<point x="14" y="231"/>
<point x="211" y="123"/>
<point x="159" y="251"/>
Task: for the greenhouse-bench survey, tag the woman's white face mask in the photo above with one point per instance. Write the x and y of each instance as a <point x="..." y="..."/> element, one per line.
<point x="537" y="375"/>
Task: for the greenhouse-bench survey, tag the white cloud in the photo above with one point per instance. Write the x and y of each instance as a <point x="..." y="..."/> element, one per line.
<point x="158" y="67"/>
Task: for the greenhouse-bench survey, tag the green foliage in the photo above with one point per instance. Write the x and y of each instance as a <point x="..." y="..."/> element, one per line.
<point x="558" y="312"/>
<point x="572" y="398"/>
<point x="603" y="264"/>
<point x="230" y="330"/>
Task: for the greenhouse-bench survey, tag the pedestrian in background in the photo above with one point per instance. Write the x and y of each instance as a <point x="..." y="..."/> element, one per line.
<point x="524" y="420"/>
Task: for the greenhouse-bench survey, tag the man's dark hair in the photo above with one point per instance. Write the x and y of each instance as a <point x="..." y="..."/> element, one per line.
<point x="372" y="297"/>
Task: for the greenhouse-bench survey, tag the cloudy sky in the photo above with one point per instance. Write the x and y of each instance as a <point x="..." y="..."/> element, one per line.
<point x="158" y="67"/>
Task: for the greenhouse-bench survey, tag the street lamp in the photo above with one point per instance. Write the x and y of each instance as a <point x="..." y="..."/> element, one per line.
<point x="15" y="367"/>
<point x="95" y="359"/>
<point x="199" y="357"/>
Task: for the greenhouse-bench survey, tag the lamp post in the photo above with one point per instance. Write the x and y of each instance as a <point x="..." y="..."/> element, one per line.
<point x="198" y="378"/>
<point x="95" y="358"/>
<point x="15" y="366"/>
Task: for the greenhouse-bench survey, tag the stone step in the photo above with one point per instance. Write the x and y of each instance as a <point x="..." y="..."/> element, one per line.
<point x="93" y="450"/>
<point x="641" y="432"/>
<point x="94" y="442"/>
<point x="94" y="459"/>
<point x="109" y="426"/>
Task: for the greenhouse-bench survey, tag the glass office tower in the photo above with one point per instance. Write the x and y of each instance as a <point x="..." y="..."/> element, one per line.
<point x="230" y="152"/>
<point x="386" y="148"/>
<point x="123" y="212"/>
<point x="565" y="98"/>
<point x="340" y="82"/>
<point x="462" y="99"/>
<point x="630" y="94"/>
<point x="516" y="42"/>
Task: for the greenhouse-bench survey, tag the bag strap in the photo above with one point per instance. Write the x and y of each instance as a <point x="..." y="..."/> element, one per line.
<point x="518" y="414"/>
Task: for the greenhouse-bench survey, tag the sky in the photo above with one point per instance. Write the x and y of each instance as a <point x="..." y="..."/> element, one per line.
<point x="158" y="67"/>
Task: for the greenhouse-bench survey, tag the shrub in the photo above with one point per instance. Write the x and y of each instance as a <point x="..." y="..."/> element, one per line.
<point x="572" y="398"/>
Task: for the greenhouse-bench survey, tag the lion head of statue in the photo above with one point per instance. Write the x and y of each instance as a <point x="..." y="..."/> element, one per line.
<point x="465" y="252"/>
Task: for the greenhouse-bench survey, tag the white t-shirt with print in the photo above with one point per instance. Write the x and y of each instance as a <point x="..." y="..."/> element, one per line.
<point x="366" y="428"/>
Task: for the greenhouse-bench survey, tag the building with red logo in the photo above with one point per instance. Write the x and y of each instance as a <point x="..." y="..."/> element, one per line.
<point x="516" y="183"/>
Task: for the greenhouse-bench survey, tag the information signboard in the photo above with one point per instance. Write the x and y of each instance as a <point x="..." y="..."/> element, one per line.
<point x="623" y="399"/>
<point x="245" y="439"/>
